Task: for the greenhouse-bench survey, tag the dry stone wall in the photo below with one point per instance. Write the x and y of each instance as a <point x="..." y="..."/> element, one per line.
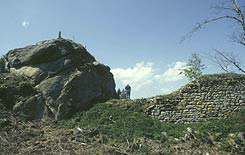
<point x="211" y="97"/>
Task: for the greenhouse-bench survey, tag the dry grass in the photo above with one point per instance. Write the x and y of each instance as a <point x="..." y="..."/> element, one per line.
<point x="50" y="138"/>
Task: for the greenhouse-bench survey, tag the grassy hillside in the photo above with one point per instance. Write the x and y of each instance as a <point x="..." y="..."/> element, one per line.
<point x="120" y="127"/>
<point x="125" y="125"/>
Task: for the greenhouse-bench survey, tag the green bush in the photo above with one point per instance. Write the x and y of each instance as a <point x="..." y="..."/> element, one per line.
<point x="194" y="67"/>
<point x="25" y="88"/>
<point x="225" y="126"/>
<point x="2" y="65"/>
<point x="7" y="96"/>
<point x="123" y="123"/>
<point x="16" y="87"/>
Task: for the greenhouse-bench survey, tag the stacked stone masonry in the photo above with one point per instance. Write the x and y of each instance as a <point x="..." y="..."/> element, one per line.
<point x="211" y="97"/>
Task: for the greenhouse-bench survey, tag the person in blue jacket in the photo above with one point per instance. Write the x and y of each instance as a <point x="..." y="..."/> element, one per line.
<point x="128" y="90"/>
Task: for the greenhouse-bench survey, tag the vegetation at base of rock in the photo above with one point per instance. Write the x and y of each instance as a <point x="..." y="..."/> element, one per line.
<point x="114" y="127"/>
<point x="14" y="88"/>
<point x="25" y="88"/>
<point x="125" y="121"/>
<point x="2" y="64"/>
<point x="120" y="127"/>
<point x="121" y="120"/>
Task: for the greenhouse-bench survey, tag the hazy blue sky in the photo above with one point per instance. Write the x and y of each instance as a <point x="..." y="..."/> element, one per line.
<point x="138" y="39"/>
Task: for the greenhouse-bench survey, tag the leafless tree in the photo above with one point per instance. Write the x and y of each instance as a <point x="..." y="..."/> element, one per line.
<point x="232" y="12"/>
<point x="226" y="61"/>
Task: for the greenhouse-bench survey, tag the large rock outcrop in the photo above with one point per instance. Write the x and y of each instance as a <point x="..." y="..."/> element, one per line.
<point x="66" y="77"/>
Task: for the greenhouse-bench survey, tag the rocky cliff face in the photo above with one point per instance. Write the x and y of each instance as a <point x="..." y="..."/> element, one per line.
<point x="66" y="76"/>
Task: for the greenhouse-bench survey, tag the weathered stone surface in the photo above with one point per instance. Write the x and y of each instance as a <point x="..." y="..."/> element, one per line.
<point x="31" y="108"/>
<point x="68" y="77"/>
<point x="212" y="97"/>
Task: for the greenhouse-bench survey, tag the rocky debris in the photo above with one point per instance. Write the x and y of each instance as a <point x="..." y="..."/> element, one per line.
<point x="64" y="137"/>
<point x="236" y="142"/>
<point x="39" y="137"/>
<point x="65" y="75"/>
<point x="189" y="135"/>
<point x="80" y="131"/>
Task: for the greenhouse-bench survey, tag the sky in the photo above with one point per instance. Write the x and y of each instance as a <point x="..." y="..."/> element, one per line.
<point x="138" y="39"/>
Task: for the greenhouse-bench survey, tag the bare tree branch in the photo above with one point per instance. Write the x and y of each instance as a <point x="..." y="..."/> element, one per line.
<point x="237" y="15"/>
<point x="237" y="38"/>
<point x="221" y="7"/>
<point x="220" y="62"/>
<point x="225" y="61"/>
<point x="201" y="25"/>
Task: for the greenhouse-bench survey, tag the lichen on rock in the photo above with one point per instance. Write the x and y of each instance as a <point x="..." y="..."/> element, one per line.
<point x="64" y="74"/>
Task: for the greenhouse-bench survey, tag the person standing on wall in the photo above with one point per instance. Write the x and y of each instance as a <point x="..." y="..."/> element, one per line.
<point x="128" y="90"/>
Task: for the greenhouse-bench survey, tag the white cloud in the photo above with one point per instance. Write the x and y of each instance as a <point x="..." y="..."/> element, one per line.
<point x="138" y="76"/>
<point x="173" y="73"/>
<point x="146" y="80"/>
<point x="25" y="24"/>
<point x="165" y="90"/>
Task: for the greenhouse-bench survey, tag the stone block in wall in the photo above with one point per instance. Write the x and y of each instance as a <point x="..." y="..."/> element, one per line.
<point x="220" y="115"/>
<point x="189" y="107"/>
<point x="241" y="101"/>
<point x="212" y="99"/>
<point x="193" y="110"/>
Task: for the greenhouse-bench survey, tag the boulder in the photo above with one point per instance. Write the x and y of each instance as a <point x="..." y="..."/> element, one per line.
<point x="31" y="108"/>
<point x="66" y="75"/>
